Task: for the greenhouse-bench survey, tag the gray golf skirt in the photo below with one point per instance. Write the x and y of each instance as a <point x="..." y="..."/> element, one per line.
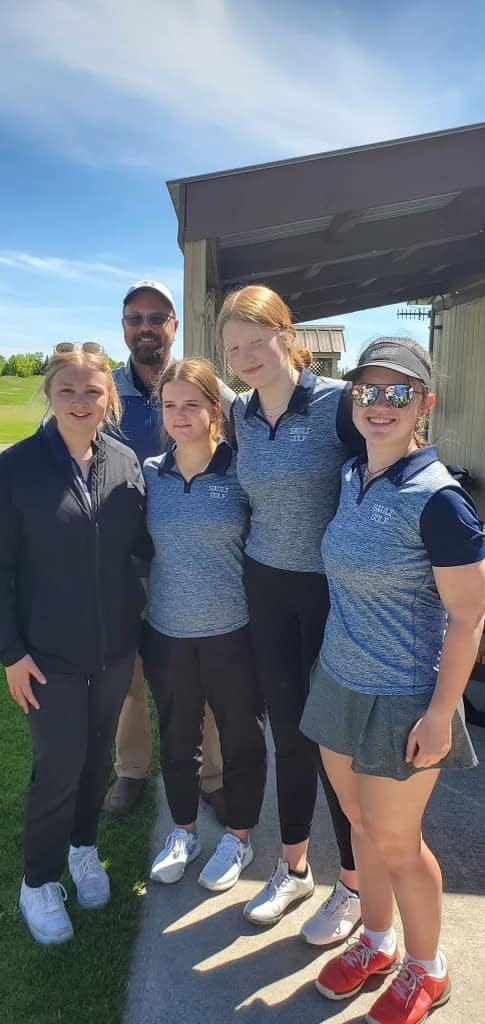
<point x="373" y="730"/>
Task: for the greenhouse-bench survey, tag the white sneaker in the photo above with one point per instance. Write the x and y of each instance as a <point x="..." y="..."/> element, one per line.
<point x="44" y="912"/>
<point x="181" y="847"/>
<point x="279" y="894"/>
<point x="337" y="918"/>
<point x="89" y="877"/>
<point x="230" y="857"/>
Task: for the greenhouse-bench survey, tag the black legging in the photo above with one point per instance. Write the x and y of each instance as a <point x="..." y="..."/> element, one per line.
<point x="184" y="673"/>
<point x="288" y="611"/>
<point x="72" y="735"/>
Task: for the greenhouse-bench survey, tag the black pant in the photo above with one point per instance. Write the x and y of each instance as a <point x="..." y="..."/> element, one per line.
<point x="288" y="611"/>
<point x="184" y="673"/>
<point x="72" y="735"/>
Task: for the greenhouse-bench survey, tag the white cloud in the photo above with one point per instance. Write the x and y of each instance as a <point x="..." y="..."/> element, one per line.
<point x="108" y="82"/>
<point x="73" y="270"/>
<point x="100" y="273"/>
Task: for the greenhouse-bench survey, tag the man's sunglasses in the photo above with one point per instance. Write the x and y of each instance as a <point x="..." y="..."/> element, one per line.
<point x="87" y="346"/>
<point x="397" y="395"/>
<point x="152" y="319"/>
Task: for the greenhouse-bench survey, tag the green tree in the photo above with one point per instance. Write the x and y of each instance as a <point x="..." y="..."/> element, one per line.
<point x="20" y="365"/>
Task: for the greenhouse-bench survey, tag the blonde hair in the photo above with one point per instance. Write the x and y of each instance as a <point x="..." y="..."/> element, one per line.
<point x="202" y="375"/>
<point x="258" y="304"/>
<point x="93" y="361"/>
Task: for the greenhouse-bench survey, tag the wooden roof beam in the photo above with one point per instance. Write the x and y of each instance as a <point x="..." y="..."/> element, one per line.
<point x="398" y="234"/>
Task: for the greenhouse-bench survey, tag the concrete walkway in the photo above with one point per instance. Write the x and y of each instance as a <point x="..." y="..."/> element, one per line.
<point x="198" y="962"/>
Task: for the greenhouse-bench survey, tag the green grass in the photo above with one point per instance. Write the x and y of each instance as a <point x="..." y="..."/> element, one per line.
<point x="83" y="981"/>
<point x="21" y="407"/>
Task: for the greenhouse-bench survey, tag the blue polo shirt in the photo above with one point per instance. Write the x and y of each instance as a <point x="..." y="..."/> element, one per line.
<point x="386" y="624"/>
<point x="198" y="529"/>
<point x="291" y="472"/>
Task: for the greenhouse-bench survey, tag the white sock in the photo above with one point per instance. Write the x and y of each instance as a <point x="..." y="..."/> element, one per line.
<point x="76" y="849"/>
<point x="437" y="968"/>
<point x="385" y="942"/>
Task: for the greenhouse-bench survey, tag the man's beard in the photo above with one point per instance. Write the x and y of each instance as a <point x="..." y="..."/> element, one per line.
<point x="149" y="353"/>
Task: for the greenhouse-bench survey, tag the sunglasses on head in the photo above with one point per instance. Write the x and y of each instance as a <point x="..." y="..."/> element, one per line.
<point x="152" y="319"/>
<point x="87" y="346"/>
<point x="397" y="395"/>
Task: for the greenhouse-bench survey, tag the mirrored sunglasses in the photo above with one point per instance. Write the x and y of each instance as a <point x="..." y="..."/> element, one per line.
<point x="152" y="319"/>
<point x="397" y="395"/>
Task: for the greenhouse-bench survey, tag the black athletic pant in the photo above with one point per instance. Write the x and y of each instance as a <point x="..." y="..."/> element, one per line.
<point x="184" y="673"/>
<point x="288" y="611"/>
<point x="72" y="735"/>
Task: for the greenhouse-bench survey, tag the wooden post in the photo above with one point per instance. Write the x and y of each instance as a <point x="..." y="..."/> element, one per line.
<point x="201" y="301"/>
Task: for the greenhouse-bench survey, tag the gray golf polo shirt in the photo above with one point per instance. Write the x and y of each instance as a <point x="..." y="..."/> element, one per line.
<point x="386" y="624"/>
<point x="291" y="472"/>
<point x="198" y="529"/>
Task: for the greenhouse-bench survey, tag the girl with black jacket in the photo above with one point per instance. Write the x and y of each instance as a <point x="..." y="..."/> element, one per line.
<point x="71" y="518"/>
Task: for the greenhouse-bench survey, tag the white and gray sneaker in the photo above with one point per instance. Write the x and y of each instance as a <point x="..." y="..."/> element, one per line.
<point x="44" y="912"/>
<point x="336" y="919"/>
<point x="281" y="893"/>
<point x="223" y="869"/>
<point x="181" y="847"/>
<point x="89" y="876"/>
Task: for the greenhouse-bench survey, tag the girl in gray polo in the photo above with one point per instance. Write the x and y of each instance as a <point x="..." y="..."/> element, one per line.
<point x="196" y="646"/>
<point x="405" y="562"/>
<point x="293" y="432"/>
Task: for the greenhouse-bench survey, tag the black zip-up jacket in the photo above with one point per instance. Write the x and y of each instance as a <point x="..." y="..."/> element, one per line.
<point x="69" y="593"/>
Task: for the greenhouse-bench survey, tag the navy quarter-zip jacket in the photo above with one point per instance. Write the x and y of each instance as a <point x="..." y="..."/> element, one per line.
<point x="69" y="594"/>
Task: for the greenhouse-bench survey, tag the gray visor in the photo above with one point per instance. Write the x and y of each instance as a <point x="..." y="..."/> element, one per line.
<point x="392" y="356"/>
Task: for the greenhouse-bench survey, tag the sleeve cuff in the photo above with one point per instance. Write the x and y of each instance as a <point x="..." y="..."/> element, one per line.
<point x="13" y="653"/>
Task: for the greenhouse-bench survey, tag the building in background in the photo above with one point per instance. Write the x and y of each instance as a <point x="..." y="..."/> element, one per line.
<point x="458" y="421"/>
<point x="326" y="344"/>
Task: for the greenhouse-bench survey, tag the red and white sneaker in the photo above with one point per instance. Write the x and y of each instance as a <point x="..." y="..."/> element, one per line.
<point x="411" y="997"/>
<point x="344" y="975"/>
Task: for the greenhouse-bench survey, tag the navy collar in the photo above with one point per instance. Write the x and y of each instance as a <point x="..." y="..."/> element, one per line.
<point x="219" y="463"/>
<point x="298" y="403"/>
<point x="139" y="384"/>
<point x="57" y="444"/>
<point x="404" y="469"/>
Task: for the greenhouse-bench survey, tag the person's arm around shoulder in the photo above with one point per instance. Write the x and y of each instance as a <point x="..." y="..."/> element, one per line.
<point x="227" y="398"/>
<point x="347" y="432"/>
<point x="453" y="536"/>
<point x="19" y="666"/>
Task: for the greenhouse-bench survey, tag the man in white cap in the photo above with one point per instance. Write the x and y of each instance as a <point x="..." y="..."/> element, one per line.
<point x="149" y="325"/>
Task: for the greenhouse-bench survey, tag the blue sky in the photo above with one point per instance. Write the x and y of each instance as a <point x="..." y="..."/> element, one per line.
<point x="103" y="101"/>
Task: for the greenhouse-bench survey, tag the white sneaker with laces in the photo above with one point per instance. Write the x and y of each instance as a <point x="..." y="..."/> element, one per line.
<point x="181" y="847"/>
<point x="282" y="892"/>
<point x="44" y="912"/>
<point x="89" y="877"/>
<point x="223" y="869"/>
<point x="336" y="919"/>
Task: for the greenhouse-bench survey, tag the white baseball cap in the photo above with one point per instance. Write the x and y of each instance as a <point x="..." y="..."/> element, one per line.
<point x="154" y="286"/>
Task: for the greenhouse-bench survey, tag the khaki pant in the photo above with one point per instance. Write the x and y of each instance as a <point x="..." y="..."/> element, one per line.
<point x="134" y="738"/>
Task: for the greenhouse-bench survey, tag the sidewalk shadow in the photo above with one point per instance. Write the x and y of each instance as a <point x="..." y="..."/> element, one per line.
<point x="246" y="963"/>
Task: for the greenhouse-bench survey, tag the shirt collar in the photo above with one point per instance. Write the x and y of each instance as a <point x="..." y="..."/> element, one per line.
<point x="299" y="400"/>
<point x="58" y="445"/>
<point x="219" y="463"/>
<point x="404" y="469"/>
<point x="137" y="382"/>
